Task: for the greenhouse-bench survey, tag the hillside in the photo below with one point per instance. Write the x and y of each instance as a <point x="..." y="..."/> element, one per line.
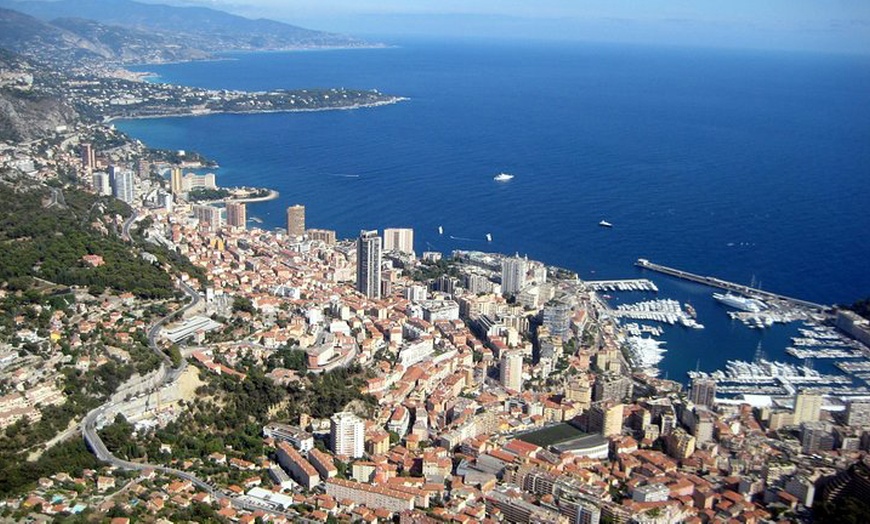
<point x="200" y="28"/>
<point x="33" y="38"/>
<point x="25" y="116"/>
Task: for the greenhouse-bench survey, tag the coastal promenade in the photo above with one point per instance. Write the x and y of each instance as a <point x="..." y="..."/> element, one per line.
<point x="729" y="286"/>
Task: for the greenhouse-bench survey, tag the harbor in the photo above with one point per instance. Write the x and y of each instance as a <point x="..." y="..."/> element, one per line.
<point x="638" y="284"/>
<point x="666" y="311"/>
<point x="731" y="286"/>
<point x="851" y="368"/>
<point x="777" y="379"/>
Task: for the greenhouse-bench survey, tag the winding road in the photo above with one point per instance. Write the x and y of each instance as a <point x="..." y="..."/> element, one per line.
<point x="98" y="448"/>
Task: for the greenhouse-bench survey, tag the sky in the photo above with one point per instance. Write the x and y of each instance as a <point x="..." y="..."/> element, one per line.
<point x="820" y="25"/>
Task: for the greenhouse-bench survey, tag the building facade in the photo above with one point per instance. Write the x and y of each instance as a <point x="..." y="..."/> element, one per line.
<point x="703" y="391"/>
<point x="237" y="215"/>
<point x="511" y="371"/>
<point x="176" y="181"/>
<point x="368" y="264"/>
<point x="346" y="435"/>
<point x="513" y="274"/>
<point x="296" y="222"/>
<point x="122" y="184"/>
<point x="399" y="239"/>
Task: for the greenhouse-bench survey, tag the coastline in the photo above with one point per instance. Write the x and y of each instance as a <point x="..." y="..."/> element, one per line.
<point x="273" y="195"/>
<point x="209" y="112"/>
<point x="223" y="56"/>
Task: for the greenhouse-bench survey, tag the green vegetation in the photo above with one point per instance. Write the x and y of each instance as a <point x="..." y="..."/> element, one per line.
<point x="118" y="438"/>
<point x="288" y="357"/>
<point x="49" y="243"/>
<point x="331" y="392"/>
<point x="197" y="195"/>
<point x="175" y="157"/>
<point x="429" y="271"/>
<point x="845" y="510"/>
<point x="72" y="456"/>
<point x="551" y="435"/>
<point x="229" y="413"/>
<point x="243" y="304"/>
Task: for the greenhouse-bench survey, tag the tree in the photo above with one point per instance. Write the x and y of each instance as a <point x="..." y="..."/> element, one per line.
<point x="243" y="304"/>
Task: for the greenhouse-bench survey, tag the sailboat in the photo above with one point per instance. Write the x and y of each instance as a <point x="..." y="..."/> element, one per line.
<point x="440" y="230"/>
<point x="489" y="237"/>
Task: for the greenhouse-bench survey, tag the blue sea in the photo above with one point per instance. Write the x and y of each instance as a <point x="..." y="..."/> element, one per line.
<point x="745" y="165"/>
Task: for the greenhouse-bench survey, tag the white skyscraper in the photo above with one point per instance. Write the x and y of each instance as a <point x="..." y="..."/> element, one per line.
<point x="122" y="184"/>
<point x="368" y="264"/>
<point x="399" y="239"/>
<point x="513" y="274"/>
<point x="102" y="183"/>
<point x="511" y="371"/>
<point x="347" y="434"/>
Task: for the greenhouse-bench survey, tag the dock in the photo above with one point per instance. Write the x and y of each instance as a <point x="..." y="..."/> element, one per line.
<point x="637" y="284"/>
<point x="728" y="286"/>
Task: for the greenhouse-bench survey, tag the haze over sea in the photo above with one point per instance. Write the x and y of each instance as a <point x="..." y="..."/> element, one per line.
<point x="736" y="164"/>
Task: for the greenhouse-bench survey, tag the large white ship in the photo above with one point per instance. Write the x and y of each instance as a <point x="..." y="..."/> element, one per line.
<point x="743" y="303"/>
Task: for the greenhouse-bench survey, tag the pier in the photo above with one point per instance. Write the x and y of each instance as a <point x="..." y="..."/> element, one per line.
<point x="728" y="286"/>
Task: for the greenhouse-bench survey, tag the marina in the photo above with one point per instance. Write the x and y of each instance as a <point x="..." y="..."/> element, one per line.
<point x="764" y="377"/>
<point x="639" y="284"/>
<point x="854" y="367"/>
<point x="634" y="329"/>
<point x="666" y="311"/>
<point x="645" y="353"/>
<point x="822" y="352"/>
<point x="813" y="341"/>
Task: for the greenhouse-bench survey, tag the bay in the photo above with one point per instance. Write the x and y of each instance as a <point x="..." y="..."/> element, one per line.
<point x="737" y="164"/>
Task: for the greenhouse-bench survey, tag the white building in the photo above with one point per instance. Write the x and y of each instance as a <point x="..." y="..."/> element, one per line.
<point x="347" y="435"/>
<point x="513" y="274"/>
<point x="416" y="293"/>
<point x="193" y="181"/>
<point x="399" y="239"/>
<point x="122" y="184"/>
<point x="102" y="183"/>
<point x="415" y="352"/>
<point x="435" y="310"/>
<point x="511" y="371"/>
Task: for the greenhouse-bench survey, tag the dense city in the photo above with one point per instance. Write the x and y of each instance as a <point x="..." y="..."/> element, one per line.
<point x="291" y="376"/>
<point x="164" y="357"/>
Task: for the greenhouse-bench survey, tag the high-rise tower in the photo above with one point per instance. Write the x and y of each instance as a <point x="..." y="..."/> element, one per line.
<point x="296" y="222"/>
<point x="122" y="184"/>
<point x="236" y="214"/>
<point x="368" y="264"/>
<point x="89" y="160"/>
<point x="176" y="181"/>
<point x="807" y="407"/>
<point x="347" y="434"/>
<point x="703" y="391"/>
<point x="511" y="371"/>
<point x="513" y="274"/>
